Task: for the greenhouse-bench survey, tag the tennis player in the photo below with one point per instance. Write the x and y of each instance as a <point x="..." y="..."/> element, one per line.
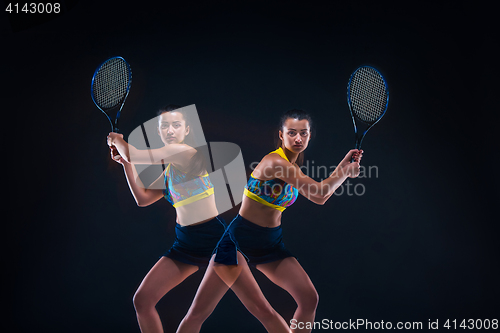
<point x="186" y="185"/>
<point x="254" y="237"/>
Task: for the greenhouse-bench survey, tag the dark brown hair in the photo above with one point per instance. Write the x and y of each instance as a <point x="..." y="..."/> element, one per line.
<point x="294" y="114"/>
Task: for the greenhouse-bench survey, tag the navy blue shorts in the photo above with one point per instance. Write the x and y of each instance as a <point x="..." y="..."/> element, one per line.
<point x="258" y="244"/>
<point x="195" y="244"/>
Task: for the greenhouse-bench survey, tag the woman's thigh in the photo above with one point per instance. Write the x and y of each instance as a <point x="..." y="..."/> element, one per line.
<point x="289" y="275"/>
<point x="219" y="278"/>
<point x="163" y="276"/>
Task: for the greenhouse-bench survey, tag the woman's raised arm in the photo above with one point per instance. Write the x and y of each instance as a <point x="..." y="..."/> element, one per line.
<point x="172" y="153"/>
<point x="274" y="166"/>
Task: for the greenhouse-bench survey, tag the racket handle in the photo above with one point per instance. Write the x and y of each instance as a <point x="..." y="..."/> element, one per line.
<point x="115" y="129"/>
<point x="357" y="147"/>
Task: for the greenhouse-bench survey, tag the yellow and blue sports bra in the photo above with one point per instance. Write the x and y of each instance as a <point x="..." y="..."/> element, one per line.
<point x="274" y="193"/>
<point x="180" y="191"/>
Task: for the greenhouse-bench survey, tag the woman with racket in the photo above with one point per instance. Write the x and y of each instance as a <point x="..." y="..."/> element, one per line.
<point x="199" y="228"/>
<point x="255" y="234"/>
<point x="186" y="185"/>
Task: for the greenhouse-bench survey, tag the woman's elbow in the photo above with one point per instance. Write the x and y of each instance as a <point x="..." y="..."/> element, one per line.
<point x="142" y="203"/>
<point x="321" y="201"/>
<point x="318" y="199"/>
<point x="322" y="198"/>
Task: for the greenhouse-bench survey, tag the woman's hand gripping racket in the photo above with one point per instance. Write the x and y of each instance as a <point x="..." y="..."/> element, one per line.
<point x="110" y="87"/>
<point x="368" y="97"/>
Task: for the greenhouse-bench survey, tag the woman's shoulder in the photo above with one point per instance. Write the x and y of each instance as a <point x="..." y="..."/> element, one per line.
<point x="273" y="159"/>
<point x="271" y="163"/>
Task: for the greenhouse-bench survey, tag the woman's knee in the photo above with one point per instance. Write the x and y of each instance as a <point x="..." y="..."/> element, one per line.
<point x="262" y="312"/>
<point x="308" y="299"/>
<point x="197" y="315"/>
<point x="143" y="301"/>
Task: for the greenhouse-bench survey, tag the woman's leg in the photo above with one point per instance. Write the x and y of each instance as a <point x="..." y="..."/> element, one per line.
<point x="209" y="293"/>
<point x="215" y="284"/>
<point x="164" y="276"/>
<point x="289" y="275"/>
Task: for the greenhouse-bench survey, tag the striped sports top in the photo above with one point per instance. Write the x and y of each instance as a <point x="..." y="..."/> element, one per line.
<point x="274" y="193"/>
<point x="180" y="191"/>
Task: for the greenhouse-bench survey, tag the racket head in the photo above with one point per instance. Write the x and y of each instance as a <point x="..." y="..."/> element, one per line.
<point x="111" y="84"/>
<point x="367" y="95"/>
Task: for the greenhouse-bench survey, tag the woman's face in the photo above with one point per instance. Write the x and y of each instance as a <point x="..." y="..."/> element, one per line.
<point x="295" y="134"/>
<point x="172" y="127"/>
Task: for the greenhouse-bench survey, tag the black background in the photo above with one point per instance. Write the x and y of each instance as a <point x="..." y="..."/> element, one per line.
<point x="420" y="244"/>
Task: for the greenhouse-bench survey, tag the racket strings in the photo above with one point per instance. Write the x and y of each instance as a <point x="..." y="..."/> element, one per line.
<point x="111" y="83"/>
<point x="368" y="94"/>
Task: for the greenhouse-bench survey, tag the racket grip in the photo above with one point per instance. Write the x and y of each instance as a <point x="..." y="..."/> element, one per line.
<point x="116" y="157"/>
<point x="352" y="158"/>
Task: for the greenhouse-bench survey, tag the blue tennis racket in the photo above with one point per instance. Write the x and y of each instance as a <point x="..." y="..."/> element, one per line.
<point x="110" y="87"/>
<point x="368" y="98"/>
